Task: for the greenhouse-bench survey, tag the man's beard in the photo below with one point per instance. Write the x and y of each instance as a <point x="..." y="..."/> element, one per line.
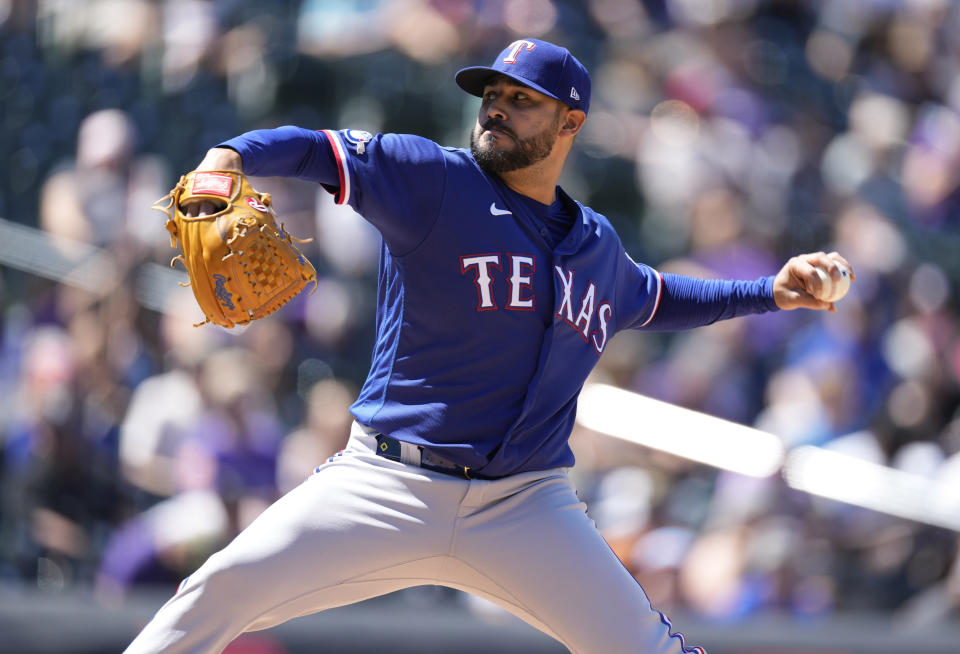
<point x="526" y="153"/>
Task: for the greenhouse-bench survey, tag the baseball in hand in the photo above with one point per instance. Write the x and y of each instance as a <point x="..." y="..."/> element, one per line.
<point x="833" y="290"/>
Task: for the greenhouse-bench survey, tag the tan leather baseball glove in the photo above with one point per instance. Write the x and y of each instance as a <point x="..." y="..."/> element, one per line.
<point x="242" y="266"/>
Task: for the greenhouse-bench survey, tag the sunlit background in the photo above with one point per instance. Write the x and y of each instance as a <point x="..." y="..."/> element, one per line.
<point x="724" y="137"/>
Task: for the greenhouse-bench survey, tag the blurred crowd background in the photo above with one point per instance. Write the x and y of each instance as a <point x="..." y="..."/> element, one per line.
<point x="724" y="137"/>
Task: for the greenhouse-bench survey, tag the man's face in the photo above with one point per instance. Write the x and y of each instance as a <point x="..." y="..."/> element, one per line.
<point x="516" y="126"/>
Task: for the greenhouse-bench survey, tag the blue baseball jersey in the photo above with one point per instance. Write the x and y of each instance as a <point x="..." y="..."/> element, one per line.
<point x="487" y="323"/>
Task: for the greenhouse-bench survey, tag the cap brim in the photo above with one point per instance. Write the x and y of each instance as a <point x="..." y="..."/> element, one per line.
<point x="473" y="79"/>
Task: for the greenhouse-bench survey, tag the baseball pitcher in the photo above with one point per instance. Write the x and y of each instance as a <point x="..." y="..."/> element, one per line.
<point x="498" y="293"/>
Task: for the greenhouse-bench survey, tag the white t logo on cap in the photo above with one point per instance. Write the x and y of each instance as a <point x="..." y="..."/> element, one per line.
<point x="515" y="49"/>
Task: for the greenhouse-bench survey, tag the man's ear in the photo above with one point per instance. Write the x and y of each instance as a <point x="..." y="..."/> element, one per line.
<point x="572" y="122"/>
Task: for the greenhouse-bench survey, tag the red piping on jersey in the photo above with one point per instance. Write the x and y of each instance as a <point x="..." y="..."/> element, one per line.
<point x="344" y="191"/>
<point x="659" y="296"/>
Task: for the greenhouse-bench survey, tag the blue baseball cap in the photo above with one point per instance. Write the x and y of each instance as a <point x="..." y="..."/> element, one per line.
<point x="544" y="67"/>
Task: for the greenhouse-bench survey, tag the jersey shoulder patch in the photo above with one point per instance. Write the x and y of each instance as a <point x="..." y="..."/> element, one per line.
<point x="358" y="138"/>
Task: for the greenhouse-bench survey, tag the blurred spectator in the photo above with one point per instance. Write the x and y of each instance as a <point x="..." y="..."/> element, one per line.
<point x="163" y="544"/>
<point x="323" y="434"/>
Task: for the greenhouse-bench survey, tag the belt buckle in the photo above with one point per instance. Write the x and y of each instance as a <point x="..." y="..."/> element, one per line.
<point x="466" y="472"/>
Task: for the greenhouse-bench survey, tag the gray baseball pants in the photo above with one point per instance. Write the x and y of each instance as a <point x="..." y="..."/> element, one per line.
<point x="364" y="526"/>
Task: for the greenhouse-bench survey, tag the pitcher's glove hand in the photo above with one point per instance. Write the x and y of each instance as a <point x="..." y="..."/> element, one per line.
<point x="242" y="266"/>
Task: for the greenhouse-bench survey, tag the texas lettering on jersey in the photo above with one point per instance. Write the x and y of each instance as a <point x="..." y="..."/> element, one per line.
<point x="520" y="269"/>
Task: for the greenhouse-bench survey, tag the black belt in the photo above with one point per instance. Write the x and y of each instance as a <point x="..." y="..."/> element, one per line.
<point x="391" y="448"/>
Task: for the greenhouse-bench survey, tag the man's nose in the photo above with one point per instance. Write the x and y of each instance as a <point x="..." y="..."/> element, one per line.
<point x="495" y="110"/>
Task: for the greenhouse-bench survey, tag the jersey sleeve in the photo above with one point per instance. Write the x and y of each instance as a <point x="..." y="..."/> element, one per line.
<point x="395" y="181"/>
<point x="639" y="293"/>
<point x="688" y="302"/>
<point x="286" y="152"/>
<point x="668" y="302"/>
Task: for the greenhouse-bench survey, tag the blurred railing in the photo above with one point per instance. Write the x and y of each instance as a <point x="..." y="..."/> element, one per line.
<point x="83" y="265"/>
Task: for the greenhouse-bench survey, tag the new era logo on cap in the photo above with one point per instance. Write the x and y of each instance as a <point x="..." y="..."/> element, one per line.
<point x="544" y="67"/>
